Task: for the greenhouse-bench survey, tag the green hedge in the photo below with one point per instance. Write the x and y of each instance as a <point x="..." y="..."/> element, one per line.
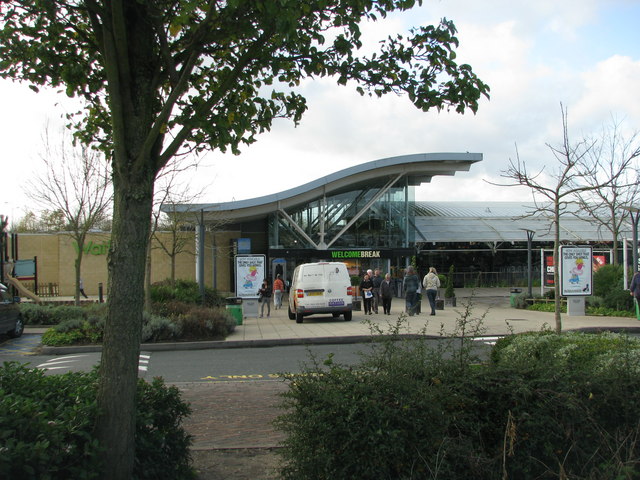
<point x="548" y="406"/>
<point x="182" y="322"/>
<point x="47" y="422"/>
<point x="186" y="291"/>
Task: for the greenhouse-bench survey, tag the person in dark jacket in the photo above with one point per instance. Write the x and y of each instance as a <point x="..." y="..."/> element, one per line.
<point x="366" y="287"/>
<point x="410" y="285"/>
<point x="265" y="298"/>
<point x="386" y="294"/>
<point x="377" y="281"/>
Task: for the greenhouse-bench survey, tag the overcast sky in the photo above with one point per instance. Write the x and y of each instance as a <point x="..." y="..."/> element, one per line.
<point x="534" y="55"/>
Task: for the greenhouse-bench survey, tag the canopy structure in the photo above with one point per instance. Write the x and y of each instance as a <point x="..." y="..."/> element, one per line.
<point x="378" y="174"/>
<point x="465" y="222"/>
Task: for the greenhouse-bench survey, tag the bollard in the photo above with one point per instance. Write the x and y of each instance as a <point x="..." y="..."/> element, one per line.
<point x="100" y="296"/>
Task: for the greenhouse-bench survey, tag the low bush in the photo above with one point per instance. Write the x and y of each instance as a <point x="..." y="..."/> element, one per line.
<point x="547" y="406"/>
<point x="47" y="423"/>
<point x="159" y="329"/>
<point x="35" y="314"/>
<point x="181" y="321"/>
<point x="206" y="323"/>
<point x="185" y="291"/>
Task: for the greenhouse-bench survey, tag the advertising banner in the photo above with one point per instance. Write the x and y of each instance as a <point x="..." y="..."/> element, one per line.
<point x="576" y="271"/>
<point x="250" y="272"/>
<point x="548" y="271"/>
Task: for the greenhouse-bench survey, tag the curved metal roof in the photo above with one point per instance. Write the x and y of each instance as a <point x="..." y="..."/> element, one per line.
<point x="449" y="222"/>
<point x="417" y="168"/>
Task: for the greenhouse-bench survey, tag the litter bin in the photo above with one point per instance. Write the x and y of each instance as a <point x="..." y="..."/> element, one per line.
<point x="514" y="293"/>
<point x="234" y="307"/>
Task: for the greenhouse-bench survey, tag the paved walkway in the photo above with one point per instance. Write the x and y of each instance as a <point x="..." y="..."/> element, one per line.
<point x="492" y="304"/>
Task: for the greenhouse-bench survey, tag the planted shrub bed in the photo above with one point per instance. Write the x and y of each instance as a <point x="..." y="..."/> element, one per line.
<point x="546" y="406"/>
<point x="47" y="421"/>
<point x="175" y="316"/>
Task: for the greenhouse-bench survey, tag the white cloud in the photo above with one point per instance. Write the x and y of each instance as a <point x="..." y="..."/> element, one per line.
<point x="533" y="55"/>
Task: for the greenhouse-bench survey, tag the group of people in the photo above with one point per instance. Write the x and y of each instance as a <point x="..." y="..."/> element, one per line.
<point x="376" y="290"/>
<point x="264" y="295"/>
<point x="411" y="286"/>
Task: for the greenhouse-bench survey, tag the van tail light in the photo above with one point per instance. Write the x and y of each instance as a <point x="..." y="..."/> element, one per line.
<point x="300" y="293"/>
<point x="350" y="291"/>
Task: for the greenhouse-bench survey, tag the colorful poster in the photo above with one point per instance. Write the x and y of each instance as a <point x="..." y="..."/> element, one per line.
<point x="250" y="272"/>
<point x="548" y="271"/>
<point x="576" y="271"/>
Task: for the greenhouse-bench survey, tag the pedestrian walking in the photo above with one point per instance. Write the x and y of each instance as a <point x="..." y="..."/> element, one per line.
<point x="81" y="288"/>
<point x="377" y="281"/>
<point x="278" y="291"/>
<point x="367" y="294"/>
<point x="386" y="294"/>
<point x="265" y="298"/>
<point x="410" y="285"/>
<point x="431" y="283"/>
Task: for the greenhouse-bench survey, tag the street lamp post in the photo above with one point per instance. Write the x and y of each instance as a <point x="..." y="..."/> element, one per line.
<point x="634" y="214"/>
<point x="530" y="234"/>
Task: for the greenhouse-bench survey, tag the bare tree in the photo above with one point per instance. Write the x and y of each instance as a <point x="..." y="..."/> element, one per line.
<point x="615" y="153"/>
<point x="77" y="186"/>
<point x="553" y="193"/>
<point x="167" y="188"/>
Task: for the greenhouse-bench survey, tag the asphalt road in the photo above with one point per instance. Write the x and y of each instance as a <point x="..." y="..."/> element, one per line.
<point x="214" y="365"/>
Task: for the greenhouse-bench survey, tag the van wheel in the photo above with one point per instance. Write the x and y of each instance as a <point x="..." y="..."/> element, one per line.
<point x="348" y="316"/>
<point x="299" y="317"/>
<point x="291" y="314"/>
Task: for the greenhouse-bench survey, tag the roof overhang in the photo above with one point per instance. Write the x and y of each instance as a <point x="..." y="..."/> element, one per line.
<point x="416" y="169"/>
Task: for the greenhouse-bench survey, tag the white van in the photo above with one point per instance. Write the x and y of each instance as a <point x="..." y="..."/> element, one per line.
<point x="323" y="287"/>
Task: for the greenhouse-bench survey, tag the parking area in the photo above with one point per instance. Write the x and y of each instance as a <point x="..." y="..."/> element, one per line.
<point x="27" y="344"/>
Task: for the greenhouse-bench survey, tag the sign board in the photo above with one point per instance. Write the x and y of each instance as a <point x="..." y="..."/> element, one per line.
<point x="244" y="246"/>
<point x="548" y="271"/>
<point x="576" y="271"/>
<point x="250" y="272"/>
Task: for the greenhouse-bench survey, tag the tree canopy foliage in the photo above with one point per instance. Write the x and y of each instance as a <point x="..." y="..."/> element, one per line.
<point x="218" y="72"/>
<point x="165" y="77"/>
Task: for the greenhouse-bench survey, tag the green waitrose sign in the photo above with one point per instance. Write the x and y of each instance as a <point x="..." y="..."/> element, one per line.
<point x="92" y="248"/>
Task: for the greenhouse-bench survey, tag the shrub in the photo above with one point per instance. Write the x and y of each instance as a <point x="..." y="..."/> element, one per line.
<point x="549" y="405"/>
<point x="607" y="278"/>
<point x="55" y="338"/>
<point x="206" y="323"/>
<point x="34" y="314"/>
<point x="157" y="329"/>
<point x="47" y="422"/>
<point x="449" y="292"/>
<point x="185" y="291"/>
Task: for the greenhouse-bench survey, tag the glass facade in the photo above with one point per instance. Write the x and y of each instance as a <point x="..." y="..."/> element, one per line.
<point x="383" y="222"/>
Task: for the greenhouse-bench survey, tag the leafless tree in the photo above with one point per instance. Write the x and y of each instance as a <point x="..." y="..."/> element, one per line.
<point x="76" y="184"/>
<point x="617" y="154"/>
<point x="554" y="191"/>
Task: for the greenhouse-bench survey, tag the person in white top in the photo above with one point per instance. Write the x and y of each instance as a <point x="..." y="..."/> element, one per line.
<point x="431" y="283"/>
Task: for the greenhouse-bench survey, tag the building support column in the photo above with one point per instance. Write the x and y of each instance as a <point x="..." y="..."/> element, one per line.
<point x="200" y="233"/>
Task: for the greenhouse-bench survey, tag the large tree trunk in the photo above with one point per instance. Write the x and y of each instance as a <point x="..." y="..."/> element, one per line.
<point x="119" y="366"/>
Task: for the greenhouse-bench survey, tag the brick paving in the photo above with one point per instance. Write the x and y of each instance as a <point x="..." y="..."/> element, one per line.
<point x="228" y="415"/>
